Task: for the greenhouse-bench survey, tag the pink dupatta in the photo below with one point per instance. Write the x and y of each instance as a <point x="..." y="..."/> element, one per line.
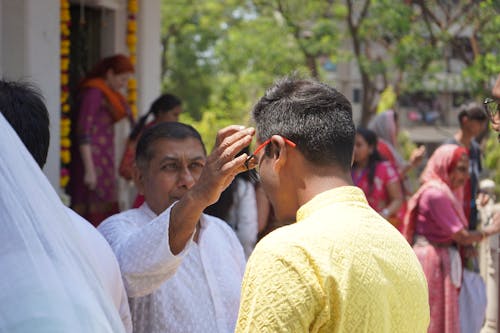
<point x="436" y="174"/>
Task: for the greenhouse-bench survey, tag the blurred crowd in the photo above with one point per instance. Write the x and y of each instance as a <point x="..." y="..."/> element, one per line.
<point x="176" y="260"/>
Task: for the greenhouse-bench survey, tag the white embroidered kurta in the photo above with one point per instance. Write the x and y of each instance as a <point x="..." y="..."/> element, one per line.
<point x="242" y="215"/>
<point x="197" y="290"/>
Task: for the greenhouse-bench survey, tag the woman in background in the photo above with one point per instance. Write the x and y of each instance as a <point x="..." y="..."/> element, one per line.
<point x="376" y="177"/>
<point x="436" y="226"/>
<point x="386" y="127"/>
<point x="93" y="186"/>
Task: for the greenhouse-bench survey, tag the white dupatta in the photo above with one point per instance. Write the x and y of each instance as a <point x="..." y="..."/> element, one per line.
<point x="47" y="282"/>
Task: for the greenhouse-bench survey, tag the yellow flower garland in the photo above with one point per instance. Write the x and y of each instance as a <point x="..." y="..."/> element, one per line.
<point x="65" y="47"/>
<point x="133" y="9"/>
<point x="65" y="141"/>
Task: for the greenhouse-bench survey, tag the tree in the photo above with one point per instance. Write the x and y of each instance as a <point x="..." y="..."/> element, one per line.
<point x="411" y="45"/>
<point x="219" y="56"/>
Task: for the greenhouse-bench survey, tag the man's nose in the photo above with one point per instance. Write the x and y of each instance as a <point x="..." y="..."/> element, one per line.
<point x="186" y="178"/>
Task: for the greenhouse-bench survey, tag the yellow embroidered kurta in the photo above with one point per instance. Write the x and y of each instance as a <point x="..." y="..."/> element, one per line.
<point x="340" y="268"/>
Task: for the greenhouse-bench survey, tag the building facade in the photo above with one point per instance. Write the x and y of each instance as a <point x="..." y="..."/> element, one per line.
<point x="30" y="50"/>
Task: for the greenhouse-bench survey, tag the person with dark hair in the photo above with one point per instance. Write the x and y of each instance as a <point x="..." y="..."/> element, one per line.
<point x="237" y="206"/>
<point x="340" y="267"/>
<point x="473" y="121"/>
<point x="93" y="184"/>
<point x="375" y="176"/>
<point x="182" y="269"/>
<point x="23" y="107"/>
<point x="165" y="108"/>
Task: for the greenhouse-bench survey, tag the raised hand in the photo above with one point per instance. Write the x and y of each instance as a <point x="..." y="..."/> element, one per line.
<point x="222" y="165"/>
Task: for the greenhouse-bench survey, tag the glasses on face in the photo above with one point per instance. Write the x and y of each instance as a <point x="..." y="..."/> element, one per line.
<point x="491" y="106"/>
<point x="252" y="161"/>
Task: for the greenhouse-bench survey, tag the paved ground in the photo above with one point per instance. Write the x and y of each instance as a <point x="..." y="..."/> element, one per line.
<point x="430" y="134"/>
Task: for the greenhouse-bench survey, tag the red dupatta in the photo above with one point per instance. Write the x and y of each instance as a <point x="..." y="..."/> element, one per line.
<point x="118" y="105"/>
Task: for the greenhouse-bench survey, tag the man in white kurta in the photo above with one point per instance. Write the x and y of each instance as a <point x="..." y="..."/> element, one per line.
<point x="197" y="290"/>
<point x="193" y="286"/>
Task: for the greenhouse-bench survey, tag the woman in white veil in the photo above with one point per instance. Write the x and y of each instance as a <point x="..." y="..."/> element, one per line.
<point x="48" y="283"/>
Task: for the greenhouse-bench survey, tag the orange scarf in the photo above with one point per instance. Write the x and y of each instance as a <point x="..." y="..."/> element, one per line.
<point x="118" y="106"/>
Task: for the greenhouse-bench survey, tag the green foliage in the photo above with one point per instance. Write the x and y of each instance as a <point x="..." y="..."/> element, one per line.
<point x="492" y="160"/>
<point x="219" y="56"/>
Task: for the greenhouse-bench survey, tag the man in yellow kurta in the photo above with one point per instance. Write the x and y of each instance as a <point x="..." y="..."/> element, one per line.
<point x="341" y="267"/>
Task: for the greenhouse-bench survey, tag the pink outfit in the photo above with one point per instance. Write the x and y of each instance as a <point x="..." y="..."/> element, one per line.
<point x="378" y="197"/>
<point x="94" y="126"/>
<point x="443" y="295"/>
<point x="436" y="218"/>
<point x="435" y="212"/>
<point x="384" y="125"/>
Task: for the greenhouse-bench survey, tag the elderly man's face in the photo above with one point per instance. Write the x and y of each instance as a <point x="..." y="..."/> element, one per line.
<point x="175" y="167"/>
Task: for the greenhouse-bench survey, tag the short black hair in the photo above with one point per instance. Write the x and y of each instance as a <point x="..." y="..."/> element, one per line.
<point x="24" y="108"/>
<point x="473" y="111"/>
<point x="315" y="116"/>
<point x="166" y="130"/>
<point x="165" y="103"/>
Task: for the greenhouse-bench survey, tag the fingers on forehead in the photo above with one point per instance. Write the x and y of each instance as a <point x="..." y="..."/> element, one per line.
<point x="227" y="131"/>
<point x="233" y="144"/>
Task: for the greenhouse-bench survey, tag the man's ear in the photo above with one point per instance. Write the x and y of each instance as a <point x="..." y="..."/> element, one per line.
<point x="280" y="152"/>
<point x="138" y="176"/>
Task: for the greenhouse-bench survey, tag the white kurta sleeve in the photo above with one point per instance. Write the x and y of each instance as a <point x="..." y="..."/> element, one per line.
<point x="142" y="249"/>
<point x="245" y="215"/>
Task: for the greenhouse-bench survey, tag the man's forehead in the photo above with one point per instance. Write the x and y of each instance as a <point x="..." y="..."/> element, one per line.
<point x="177" y="147"/>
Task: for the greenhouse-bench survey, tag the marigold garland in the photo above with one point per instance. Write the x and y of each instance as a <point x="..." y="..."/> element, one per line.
<point x="133" y="9"/>
<point x="65" y="141"/>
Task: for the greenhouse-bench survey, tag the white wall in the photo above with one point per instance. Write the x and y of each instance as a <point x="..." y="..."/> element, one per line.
<point x="29" y="50"/>
<point x="149" y="51"/>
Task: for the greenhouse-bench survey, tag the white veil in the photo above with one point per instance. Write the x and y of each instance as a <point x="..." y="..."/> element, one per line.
<point x="47" y="282"/>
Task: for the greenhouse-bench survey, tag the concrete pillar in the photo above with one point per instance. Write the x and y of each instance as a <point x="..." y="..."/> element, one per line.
<point x="148" y="53"/>
<point x="30" y="51"/>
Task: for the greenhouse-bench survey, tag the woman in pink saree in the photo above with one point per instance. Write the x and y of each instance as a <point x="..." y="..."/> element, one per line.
<point x="436" y="226"/>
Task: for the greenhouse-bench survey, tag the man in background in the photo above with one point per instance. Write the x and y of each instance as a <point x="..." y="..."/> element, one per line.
<point x="473" y="121"/>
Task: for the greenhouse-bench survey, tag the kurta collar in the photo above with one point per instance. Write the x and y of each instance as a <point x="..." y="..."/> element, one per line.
<point x="336" y="195"/>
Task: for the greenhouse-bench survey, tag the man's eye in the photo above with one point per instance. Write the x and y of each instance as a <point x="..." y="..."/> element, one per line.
<point x="196" y="166"/>
<point x="169" y="167"/>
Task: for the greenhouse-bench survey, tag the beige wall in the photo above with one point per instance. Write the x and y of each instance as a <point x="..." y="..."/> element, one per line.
<point x="29" y="50"/>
